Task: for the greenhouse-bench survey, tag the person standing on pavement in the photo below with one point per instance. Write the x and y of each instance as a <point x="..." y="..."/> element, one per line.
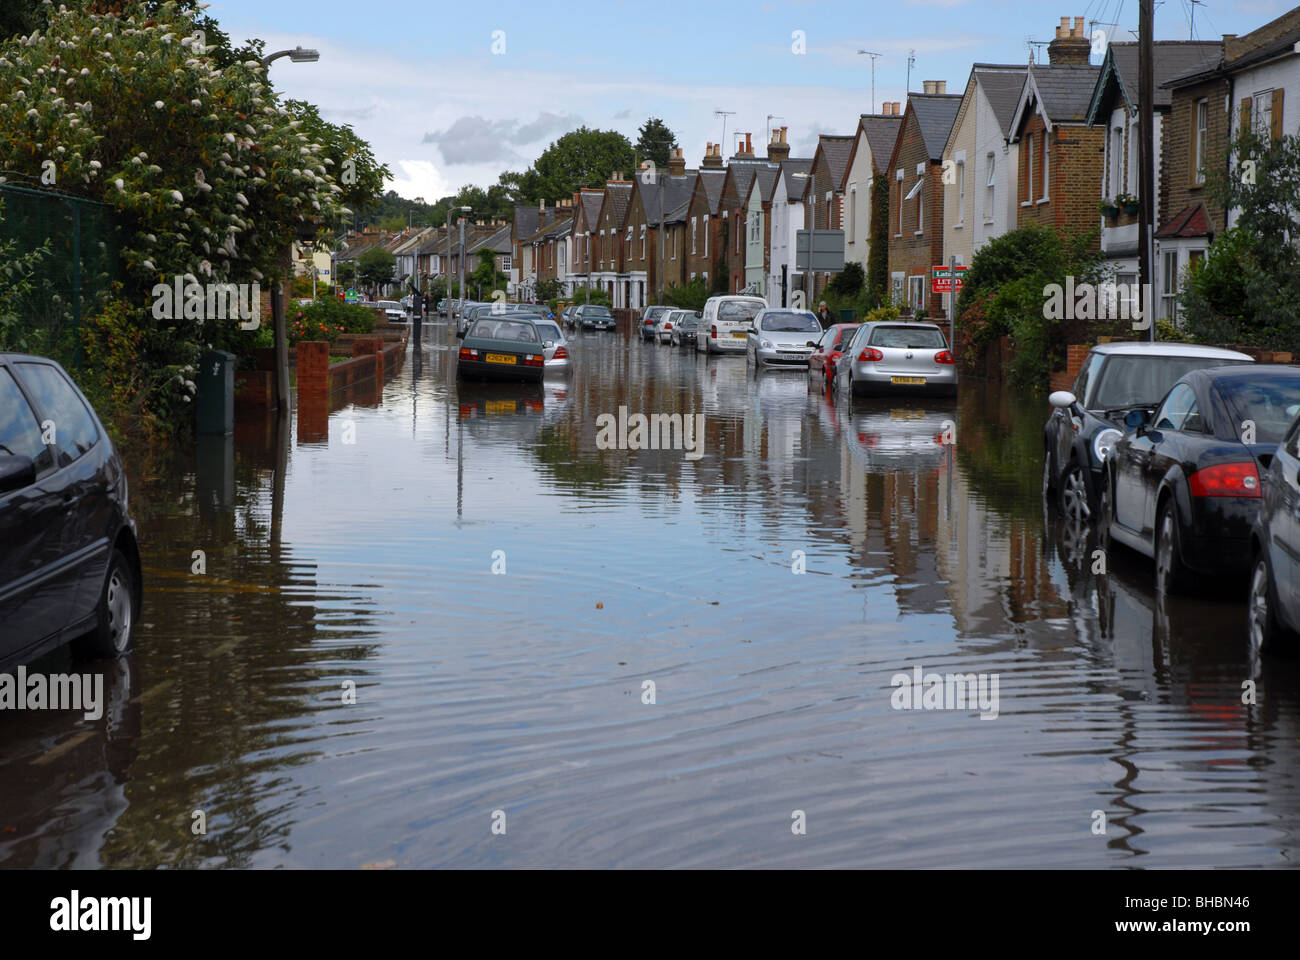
<point x="824" y="316"/>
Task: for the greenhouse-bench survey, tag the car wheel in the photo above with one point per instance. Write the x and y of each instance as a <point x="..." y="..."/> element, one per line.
<point x="116" y="613"/>
<point x="1074" y="494"/>
<point x="1171" y="574"/>
<point x="1264" y="629"/>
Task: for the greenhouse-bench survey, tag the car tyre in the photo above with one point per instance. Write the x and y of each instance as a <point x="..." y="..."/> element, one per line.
<point x="1172" y="575"/>
<point x="116" y="613"/>
<point x="1264" y="630"/>
<point x="1074" y="493"/>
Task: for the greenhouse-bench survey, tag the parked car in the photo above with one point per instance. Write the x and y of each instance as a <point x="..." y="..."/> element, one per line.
<point x="829" y="349"/>
<point x="567" y="315"/>
<point x="1184" y="486"/>
<point x="442" y="306"/>
<point x="393" y="310"/>
<point x="685" y="329"/>
<point x="466" y="314"/>
<point x="649" y="318"/>
<point x="725" y="323"/>
<point x="592" y="316"/>
<point x="1274" y="607"/>
<point x="502" y="348"/>
<point x="69" y="559"/>
<point x="781" y="337"/>
<point x="1114" y="379"/>
<point x="669" y="321"/>
<point x="555" y="346"/>
<point x="897" y="357"/>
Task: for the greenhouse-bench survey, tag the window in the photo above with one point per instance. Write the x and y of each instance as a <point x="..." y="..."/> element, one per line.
<point x="853" y="209"/>
<point x="694" y="224"/>
<point x="1047" y="163"/>
<point x="1263" y="114"/>
<point x="961" y="192"/>
<point x="916" y="292"/>
<point x="1169" y="285"/>
<point x="898" y="203"/>
<point x="1087" y="373"/>
<point x="989" y="198"/>
<point x="917" y="193"/>
<point x="505" y="264"/>
<point x="20" y="434"/>
<point x="896" y="281"/>
<point x="1115" y="174"/>
<point x="1199" y="144"/>
<point x="1179" y="411"/>
<point x="738" y="223"/>
<point x="74" y="427"/>
<point x="1029" y="180"/>
<point x="706" y="234"/>
<point x="562" y="256"/>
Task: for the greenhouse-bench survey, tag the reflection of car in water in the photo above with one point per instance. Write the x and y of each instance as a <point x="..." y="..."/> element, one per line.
<point x="900" y="433"/>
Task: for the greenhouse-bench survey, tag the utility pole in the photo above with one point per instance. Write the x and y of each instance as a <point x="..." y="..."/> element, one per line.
<point x="873" y="56"/>
<point x="460" y="266"/>
<point x="1191" y="27"/>
<point x="1146" y="161"/>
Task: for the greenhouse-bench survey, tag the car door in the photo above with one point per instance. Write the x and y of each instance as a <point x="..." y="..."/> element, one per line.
<point x="817" y="359"/>
<point x="36" y="589"/>
<point x="1179" y="428"/>
<point x="1284" y="524"/>
<point x="88" y="508"/>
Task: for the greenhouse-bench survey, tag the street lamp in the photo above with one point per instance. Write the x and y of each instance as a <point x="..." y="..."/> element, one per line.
<point x="298" y="55"/>
<point x="809" y="280"/>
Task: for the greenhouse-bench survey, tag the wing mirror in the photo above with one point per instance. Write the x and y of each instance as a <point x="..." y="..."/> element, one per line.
<point x="1063" y="399"/>
<point x="812" y="343"/>
<point x="16" y="472"/>
<point x="547" y="344"/>
<point x="1136" y="419"/>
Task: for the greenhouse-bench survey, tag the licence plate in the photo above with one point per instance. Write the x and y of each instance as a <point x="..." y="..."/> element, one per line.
<point x="742" y="336"/>
<point x="500" y="406"/>
<point x="510" y="358"/>
<point x="916" y="380"/>
<point x="907" y="414"/>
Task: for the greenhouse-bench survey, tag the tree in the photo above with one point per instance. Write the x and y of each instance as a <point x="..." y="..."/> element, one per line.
<point x="590" y="295"/>
<point x="375" y="267"/>
<point x="690" y="295"/>
<point x="351" y="160"/>
<point x="878" y="253"/>
<point x="655" y="142"/>
<point x="345" y="273"/>
<point x="848" y="282"/>
<point x="547" y="290"/>
<point x="486" y="276"/>
<point x="581" y="158"/>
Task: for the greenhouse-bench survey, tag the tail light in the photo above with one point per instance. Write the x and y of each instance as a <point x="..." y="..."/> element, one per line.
<point x="713" y="331"/>
<point x="870" y="354"/>
<point x="560" y="354"/>
<point x="1225" y="480"/>
<point x="944" y="356"/>
<point x="534" y="360"/>
<point x="467" y="354"/>
<point x="668" y="326"/>
<point x="869" y="439"/>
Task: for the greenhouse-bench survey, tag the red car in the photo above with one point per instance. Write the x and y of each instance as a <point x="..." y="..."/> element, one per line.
<point x="823" y="359"/>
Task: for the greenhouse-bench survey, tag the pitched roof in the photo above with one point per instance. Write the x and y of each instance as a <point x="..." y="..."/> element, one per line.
<point x="711" y="181"/>
<point x="1064" y="89"/>
<point x="1172" y="58"/>
<point x="591" y="201"/>
<point x="935" y="114"/>
<point x="618" y="194"/>
<point x="881" y="132"/>
<point x="1191" y="221"/>
<point x="558" y="229"/>
<point x="765" y="179"/>
<point x="499" y="241"/>
<point x="527" y="219"/>
<point x="1240" y="53"/>
<point x="837" y="150"/>
<point x="675" y="189"/>
<point x="741" y="173"/>
<point x="795" y="187"/>
<point x="677" y="214"/>
<point x="1002" y="86"/>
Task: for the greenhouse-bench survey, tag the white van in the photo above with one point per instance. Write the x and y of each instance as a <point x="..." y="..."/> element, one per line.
<point x="725" y="323"/>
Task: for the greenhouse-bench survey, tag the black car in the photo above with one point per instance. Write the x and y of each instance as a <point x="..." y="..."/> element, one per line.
<point x="1114" y="379"/>
<point x="69" y="561"/>
<point x="592" y="316"/>
<point x="1274" y="612"/>
<point x="648" y="317"/>
<point x="1184" y="487"/>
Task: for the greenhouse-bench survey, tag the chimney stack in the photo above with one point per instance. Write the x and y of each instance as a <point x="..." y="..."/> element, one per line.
<point x="778" y="149"/>
<point x="676" y="163"/>
<point x="1070" y="46"/>
<point x="935" y="87"/>
<point x="712" y="157"/>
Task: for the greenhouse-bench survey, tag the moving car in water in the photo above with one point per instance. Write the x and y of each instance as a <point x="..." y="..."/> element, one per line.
<point x="781" y="338"/>
<point x="1184" y="487"/>
<point x="1114" y="379"/>
<point x="829" y="349"/>
<point x="649" y="318"/>
<point x="685" y="328"/>
<point x="69" y="561"/>
<point x="725" y="323"/>
<point x="1274" y="608"/>
<point x="502" y="347"/>
<point x="897" y="357"/>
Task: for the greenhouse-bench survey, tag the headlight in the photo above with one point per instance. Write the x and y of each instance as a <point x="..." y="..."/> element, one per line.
<point x="765" y="344"/>
<point x="1103" y="441"/>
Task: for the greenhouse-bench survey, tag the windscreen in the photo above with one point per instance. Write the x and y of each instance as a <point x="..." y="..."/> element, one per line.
<point x="908" y="338"/>
<point x="739" y="311"/>
<point x="1271" y="404"/>
<point x="1141" y="381"/>
<point x="790" y="323"/>
<point x="490" y="329"/>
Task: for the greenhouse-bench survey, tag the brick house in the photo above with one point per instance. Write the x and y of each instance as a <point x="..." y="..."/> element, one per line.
<point x="758" y="228"/>
<point x="824" y="202"/>
<point x="586" y="220"/>
<point x="916" y="199"/>
<point x="1060" y="155"/>
<point x="1114" y="108"/>
<point x="607" y="270"/>
<point x="668" y="191"/>
<point x="704" y="222"/>
<point x="872" y="144"/>
<point x="1247" y="87"/>
<point x="735" y="199"/>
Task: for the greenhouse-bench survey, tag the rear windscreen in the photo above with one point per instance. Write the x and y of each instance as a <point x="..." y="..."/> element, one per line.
<point x="908" y="338"/>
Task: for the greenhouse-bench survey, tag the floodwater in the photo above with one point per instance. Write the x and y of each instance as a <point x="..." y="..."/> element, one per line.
<point x="427" y="620"/>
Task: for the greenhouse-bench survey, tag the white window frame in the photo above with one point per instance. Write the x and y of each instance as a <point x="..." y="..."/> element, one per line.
<point x="961" y="190"/>
<point x="1259" y="101"/>
<point x="643" y="240"/>
<point x="898" y="177"/>
<point x="706" y="234"/>
<point x="853" y="211"/>
<point x="990" y="188"/>
<point x="1169" y="284"/>
<point x="1201" y="133"/>
<point x="1047" y="166"/>
<point x="694" y="229"/>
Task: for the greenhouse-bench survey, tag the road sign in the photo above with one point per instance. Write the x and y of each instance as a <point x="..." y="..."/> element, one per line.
<point x="941" y="279"/>
<point x="352" y="296"/>
<point x="827" y="250"/>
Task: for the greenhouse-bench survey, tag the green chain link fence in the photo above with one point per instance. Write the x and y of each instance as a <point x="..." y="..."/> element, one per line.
<point x="71" y="278"/>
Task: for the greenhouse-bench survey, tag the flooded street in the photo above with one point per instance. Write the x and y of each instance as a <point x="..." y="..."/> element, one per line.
<point x="494" y="592"/>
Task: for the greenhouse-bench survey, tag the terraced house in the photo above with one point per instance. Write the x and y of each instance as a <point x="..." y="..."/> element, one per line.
<point x="699" y="239"/>
<point x="787" y="218"/>
<point x="916" y="203"/>
<point x="825" y="197"/>
<point x="652" y="198"/>
<point x="740" y="173"/>
<point x="586" y="219"/>
<point x="872" y="145"/>
<point x="607" y="270"/>
<point x="980" y="200"/>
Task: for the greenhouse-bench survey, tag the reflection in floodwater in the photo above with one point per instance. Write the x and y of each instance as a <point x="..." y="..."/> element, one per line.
<point x="369" y="626"/>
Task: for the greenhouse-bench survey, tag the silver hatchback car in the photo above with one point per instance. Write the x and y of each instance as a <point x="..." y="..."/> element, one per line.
<point x="897" y="357"/>
<point x="781" y="338"/>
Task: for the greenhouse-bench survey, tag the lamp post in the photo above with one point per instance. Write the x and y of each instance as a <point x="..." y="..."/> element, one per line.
<point x="298" y="55"/>
<point x="811" y="225"/>
<point x="460" y="285"/>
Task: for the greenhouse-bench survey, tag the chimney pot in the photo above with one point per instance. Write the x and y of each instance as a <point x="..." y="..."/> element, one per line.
<point x="1078" y="27"/>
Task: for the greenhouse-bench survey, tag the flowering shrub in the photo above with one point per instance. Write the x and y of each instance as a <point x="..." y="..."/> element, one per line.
<point x="326" y="319"/>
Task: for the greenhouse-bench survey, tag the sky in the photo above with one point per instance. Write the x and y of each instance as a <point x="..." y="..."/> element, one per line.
<point x="450" y="94"/>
